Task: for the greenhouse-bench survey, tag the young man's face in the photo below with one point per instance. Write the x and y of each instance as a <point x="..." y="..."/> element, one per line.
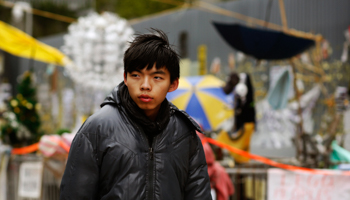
<point x="148" y="88"/>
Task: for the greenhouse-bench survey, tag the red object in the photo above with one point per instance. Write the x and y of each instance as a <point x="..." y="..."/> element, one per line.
<point x="219" y="180"/>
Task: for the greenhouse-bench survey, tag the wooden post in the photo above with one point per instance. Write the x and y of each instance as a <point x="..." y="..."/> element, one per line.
<point x="299" y="134"/>
<point x="283" y="15"/>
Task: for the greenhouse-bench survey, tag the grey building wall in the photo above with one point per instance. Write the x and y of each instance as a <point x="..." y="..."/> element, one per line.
<point x="328" y="18"/>
<point x="10" y="71"/>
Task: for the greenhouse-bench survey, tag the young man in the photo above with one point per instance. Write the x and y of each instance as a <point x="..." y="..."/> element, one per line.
<point x="139" y="145"/>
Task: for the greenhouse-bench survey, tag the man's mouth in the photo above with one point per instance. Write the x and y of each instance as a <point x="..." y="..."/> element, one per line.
<point x="145" y="98"/>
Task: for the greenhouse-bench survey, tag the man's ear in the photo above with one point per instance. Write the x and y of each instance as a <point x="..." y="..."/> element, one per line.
<point x="174" y="85"/>
<point x="125" y="80"/>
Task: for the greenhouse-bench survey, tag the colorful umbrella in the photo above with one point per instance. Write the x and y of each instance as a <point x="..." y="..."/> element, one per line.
<point x="203" y="99"/>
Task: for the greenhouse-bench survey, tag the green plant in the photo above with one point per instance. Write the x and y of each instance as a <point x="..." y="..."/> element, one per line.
<point x="21" y="120"/>
<point x="63" y="130"/>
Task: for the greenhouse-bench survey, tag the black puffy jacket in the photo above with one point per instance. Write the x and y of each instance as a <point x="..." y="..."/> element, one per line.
<point x="110" y="158"/>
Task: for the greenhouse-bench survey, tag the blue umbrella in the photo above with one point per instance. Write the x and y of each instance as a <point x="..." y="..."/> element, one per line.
<point x="203" y="98"/>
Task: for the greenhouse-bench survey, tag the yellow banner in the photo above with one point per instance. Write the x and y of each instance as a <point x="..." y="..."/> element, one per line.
<point x="18" y="43"/>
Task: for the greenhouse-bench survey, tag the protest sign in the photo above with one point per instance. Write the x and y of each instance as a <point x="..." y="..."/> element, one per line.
<point x="289" y="185"/>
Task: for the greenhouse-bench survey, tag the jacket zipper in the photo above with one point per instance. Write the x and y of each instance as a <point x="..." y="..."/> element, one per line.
<point x="150" y="186"/>
<point x="150" y="173"/>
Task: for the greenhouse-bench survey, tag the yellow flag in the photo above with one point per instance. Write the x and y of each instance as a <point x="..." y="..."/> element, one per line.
<point x="18" y="43"/>
<point x="202" y="59"/>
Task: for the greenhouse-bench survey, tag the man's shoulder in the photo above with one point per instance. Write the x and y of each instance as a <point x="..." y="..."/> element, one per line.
<point x="106" y="112"/>
<point x="184" y="118"/>
<point x="107" y="116"/>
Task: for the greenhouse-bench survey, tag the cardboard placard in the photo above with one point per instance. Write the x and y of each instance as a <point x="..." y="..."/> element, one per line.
<point x="30" y="179"/>
<point x="288" y="185"/>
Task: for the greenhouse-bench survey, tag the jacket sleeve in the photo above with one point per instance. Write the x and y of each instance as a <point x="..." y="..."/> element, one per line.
<point x="80" y="178"/>
<point x="198" y="183"/>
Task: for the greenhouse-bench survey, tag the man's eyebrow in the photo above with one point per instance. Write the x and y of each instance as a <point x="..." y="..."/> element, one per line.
<point x="159" y="72"/>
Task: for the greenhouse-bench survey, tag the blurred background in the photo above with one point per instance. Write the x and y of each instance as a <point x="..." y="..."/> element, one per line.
<point x="270" y="77"/>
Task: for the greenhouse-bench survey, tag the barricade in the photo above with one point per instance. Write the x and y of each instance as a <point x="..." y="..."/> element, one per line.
<point x="250" y="181"/>
<point x="51" y="177"/>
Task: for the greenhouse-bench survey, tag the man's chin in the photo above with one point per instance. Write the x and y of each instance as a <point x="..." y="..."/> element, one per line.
<point x="145" y="107"/>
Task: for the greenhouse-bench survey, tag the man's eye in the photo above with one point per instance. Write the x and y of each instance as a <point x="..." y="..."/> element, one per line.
<point x="134" y="75"/>
<point x="158" y="78"/>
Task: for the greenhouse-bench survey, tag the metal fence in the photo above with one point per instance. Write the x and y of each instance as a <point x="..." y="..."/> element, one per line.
<point x="51" y="177"/>
<point x="250" y="183"/>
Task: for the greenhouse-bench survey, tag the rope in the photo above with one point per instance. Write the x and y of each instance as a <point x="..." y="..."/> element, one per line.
<point x="42" y="13"/>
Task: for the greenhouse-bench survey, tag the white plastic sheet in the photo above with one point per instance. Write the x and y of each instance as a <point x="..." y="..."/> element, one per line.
<point x="288" y="185"/>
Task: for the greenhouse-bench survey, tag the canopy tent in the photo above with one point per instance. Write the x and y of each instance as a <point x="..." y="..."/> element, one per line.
<point x="18" y="43"/>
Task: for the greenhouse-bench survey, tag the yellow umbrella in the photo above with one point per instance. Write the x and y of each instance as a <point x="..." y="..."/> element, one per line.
<point x="18" y="43"/>
<point x="203" y="99"/>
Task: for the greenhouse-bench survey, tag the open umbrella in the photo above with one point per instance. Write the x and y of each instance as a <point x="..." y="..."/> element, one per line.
<point x="262" y="43"/>
<point x="203" y="99"/>
<point x="18" y="43"/>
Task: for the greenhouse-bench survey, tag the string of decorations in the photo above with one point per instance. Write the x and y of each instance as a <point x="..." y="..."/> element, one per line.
<point x="96" y="44"/>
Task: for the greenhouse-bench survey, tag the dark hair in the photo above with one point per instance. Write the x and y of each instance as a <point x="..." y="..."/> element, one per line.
<point x="149" y="49"/>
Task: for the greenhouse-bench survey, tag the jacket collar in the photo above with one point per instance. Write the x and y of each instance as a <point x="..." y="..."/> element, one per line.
<point x="112" y="98"/>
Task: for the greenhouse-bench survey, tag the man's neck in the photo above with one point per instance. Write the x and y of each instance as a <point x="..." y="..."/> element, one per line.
<point x="151" y="115"/>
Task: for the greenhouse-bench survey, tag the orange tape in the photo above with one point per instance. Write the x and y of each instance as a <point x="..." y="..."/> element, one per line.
<point x="64" y="146"/>
<point x="35" y="147"/>
<point x="274" y="163"/>
<point x="25" y="150"/>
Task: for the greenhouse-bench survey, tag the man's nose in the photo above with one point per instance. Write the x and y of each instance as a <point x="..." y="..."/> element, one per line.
<point x="146" y="84"/>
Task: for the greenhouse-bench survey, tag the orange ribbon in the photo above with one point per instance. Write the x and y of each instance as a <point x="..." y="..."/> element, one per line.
<point x="26" y="150"/>
<point x="35" y="147"/>
<point x="274" y="163"/>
